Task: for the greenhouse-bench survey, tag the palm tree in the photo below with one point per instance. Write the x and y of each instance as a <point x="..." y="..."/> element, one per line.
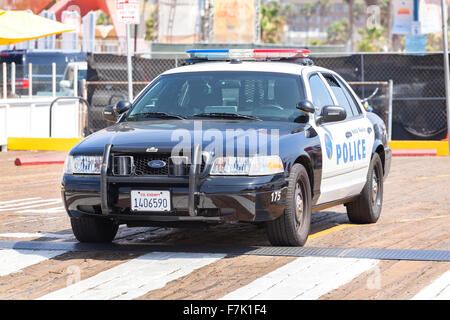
<point x="351" y="4"/>
<point x="308" y="10"/>
<point x="273" y="19"/>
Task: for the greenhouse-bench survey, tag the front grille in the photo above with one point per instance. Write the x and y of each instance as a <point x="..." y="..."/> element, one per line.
<point x="141" y="167"/>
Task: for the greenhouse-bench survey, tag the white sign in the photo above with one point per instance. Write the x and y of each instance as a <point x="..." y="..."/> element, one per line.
<point x="403" y="16"/>
<point x="416" y="28"/>
<point x="430" y="16"/>
<point x="128" y="11"/>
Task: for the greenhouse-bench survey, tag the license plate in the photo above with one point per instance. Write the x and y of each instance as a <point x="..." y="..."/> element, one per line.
<point x="150" y="200"/>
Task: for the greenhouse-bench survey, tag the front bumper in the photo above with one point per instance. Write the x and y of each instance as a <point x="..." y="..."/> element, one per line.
<point x="194" y="198"/>
<point x="219" y="199"/>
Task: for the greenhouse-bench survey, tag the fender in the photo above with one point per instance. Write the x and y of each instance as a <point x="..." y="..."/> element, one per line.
<point x="380" y="144"/>
<point x="308" y="153"/>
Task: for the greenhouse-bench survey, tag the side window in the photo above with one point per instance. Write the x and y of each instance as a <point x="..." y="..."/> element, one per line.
<point x="350" y="98"/>
<point x="320" y="95"/>
<point x="339" y="94"/>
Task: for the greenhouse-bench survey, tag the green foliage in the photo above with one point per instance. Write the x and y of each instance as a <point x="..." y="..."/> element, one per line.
<point x="151" y="30"/>
<point x="434" y="42"/>
<point x="338" y="32"/>
<point x="372" y="39"/>
<point x="104" y="19"/>
<point x="273" y="20"/>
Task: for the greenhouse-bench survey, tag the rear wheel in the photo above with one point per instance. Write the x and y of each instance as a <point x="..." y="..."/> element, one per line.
<point x="93" y="229"/>
<point x="292" y="228"/>
<point x="367" y="207"/>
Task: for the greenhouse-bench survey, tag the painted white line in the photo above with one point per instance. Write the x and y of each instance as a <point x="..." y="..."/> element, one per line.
<point x="23" y="203"/>
<point x="136" y="277"/>
<point x="439" y="289"/>
<point x="49" y="202"/>
<point x="36" y="235"/>
<point x="49" y="210"/>
<point x="303" y="279"/>
<point x="17" y="200"/>
<point x="15" y="260"/>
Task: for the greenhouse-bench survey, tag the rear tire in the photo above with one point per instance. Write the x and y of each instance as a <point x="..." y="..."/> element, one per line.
<point x="367" y="207"/>
<point x="93" y="229"/>
<point x="292" y="228"/>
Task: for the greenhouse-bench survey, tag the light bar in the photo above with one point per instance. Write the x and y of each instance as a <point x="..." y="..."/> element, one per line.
<point x="248" y="54"/>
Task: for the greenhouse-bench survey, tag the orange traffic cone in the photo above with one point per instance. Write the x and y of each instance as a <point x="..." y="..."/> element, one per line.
<point x="446" y="139"/>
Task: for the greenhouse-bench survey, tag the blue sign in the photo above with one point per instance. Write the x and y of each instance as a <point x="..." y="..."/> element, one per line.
<point x="416" y="44"/>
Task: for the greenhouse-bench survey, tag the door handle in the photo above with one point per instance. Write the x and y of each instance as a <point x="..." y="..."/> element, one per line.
<point x="348" y="134"/>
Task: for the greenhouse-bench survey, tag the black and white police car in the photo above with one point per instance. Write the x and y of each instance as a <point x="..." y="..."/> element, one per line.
<point x="233" y="135"/>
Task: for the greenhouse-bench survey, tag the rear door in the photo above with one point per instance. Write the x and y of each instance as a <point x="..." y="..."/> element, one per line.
<point x="363" y="135"/>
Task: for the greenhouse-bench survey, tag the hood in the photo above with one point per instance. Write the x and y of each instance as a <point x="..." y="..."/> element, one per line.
<point x="167" y="134"/>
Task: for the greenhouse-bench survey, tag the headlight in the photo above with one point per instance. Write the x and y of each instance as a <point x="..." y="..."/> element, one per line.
<point x="251" y="166"/>
<point x="83" y="164"/>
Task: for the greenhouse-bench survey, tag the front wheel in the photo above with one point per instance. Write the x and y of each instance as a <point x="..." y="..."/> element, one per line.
<point x="93" y="229"/>
<point x="367" y="207"/>
<point x="292" y="228"/>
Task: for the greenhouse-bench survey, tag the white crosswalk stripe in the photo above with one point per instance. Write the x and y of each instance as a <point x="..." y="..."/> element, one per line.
<point x="136" y="277"/>
<point x="17" y="200"/>
<point x="15" y="260"/>
<point x="439" y="289"/>
<point x="36" y="235"/>
<point x="49" y="210"/>
<point x="303" y="279"/>
<point x="31" y="204"/>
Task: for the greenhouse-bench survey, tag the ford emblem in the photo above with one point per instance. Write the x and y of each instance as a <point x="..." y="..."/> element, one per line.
<point x="156" y="164"/>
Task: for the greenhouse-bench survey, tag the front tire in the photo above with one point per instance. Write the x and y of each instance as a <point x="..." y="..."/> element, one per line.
<point x="93" y="229"/>
<point x="292" y="228"/>
<point x="367" y="207"/>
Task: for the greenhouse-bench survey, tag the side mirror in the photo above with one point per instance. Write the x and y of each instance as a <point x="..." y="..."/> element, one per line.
<point x="122" y="106"/>
<point x="109" y="114"/>
<point x="306" y="106"/>
<point x="332" y="114"/>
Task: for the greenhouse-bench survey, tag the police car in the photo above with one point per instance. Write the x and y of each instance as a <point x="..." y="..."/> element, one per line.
<point x="259" y="136"/>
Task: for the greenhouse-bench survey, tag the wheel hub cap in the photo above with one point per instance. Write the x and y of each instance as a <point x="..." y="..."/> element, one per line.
<point x="374" y="188"/>
<point x="298" y="204"/>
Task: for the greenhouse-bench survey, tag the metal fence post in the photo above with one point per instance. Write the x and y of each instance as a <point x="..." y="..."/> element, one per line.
<point x="446" y="63"/>
<point x="30" y="80"/>
<point x="84" y="112"/>
<point x="362" y="75"/>
<point x="5" y="83"/>
<point x="130" y="64"/>
<point x="54" y="79"/>
<point x="75" y="81"/>
<point x="391" y="93"/>
<point x="13" y="79"/>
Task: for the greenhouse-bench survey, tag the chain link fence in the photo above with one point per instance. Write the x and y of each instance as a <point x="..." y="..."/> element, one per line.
<point x="418" y="102"/>
<point x="418" y="98"/>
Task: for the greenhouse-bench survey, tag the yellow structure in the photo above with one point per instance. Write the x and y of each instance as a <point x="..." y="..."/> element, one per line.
<point x="19" y="26"/>
<point x="54" y="144"/>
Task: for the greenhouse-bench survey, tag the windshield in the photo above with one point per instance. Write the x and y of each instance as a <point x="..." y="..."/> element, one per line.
<point x="246" y="95"/>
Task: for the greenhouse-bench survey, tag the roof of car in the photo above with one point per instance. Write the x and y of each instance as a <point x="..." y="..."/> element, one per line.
<point x="258" y="66"/>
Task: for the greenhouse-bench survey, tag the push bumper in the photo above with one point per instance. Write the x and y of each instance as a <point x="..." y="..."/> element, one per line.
<point x="193" y="198"/>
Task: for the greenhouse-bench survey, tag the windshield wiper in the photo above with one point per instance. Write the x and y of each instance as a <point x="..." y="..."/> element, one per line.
<point x="225" y="115"/>
<point x="162" y="115"/>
